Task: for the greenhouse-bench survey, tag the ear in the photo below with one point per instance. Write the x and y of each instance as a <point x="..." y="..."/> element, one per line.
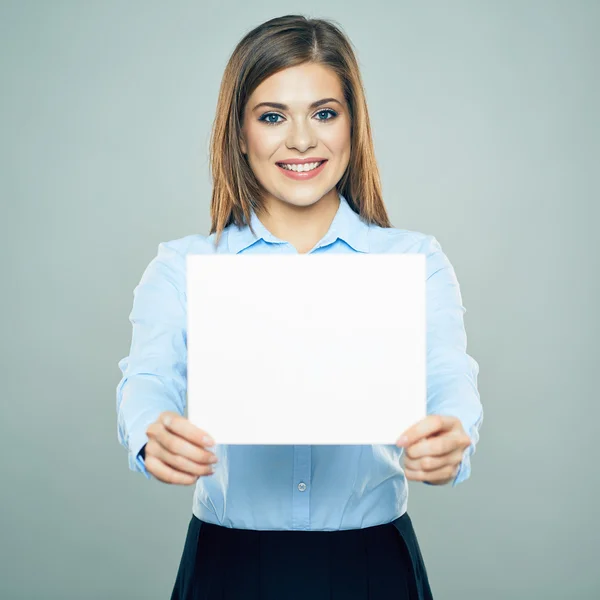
<point x="243" y="144"/>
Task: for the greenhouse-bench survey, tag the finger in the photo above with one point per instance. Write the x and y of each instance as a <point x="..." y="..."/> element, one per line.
<point x="166" y="474"/>
<point x="433" y="463"/>
<point x="182" y="427"/>
<point x="443" y="475"/>
<point x="181" y="447"/>
<point x="428" y="426"/>
<point x="435" y="445"/>
<point x="179" y="462"/>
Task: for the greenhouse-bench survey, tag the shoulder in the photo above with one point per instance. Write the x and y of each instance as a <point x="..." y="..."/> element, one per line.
<point x="174" y="252"/>
<point x="394" y="240"/>
<point x="179" y="248"/>
<point x="169" y="261"/>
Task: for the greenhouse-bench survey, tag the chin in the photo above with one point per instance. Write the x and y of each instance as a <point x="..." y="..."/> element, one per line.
<point x="301" y="198"/>
<point x="301" y="202"/>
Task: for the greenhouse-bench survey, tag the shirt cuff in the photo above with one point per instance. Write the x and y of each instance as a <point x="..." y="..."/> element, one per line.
<point x="137" y="439"/>
<point x="136" y="462"/>
<point x="464" y="470"/>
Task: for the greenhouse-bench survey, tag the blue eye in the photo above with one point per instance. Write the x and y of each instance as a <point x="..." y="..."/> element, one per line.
<point x="266" y="118"/>
<point x="327" y="111"/>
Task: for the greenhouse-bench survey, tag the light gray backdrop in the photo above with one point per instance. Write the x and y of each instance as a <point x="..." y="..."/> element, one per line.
<point x="485" y="118"/>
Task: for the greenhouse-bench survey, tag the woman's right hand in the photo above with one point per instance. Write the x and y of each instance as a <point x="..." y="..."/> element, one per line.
<point x="176" y="451"/>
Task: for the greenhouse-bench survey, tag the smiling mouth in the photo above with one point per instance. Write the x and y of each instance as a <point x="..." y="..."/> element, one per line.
<point x="305" y="168"/>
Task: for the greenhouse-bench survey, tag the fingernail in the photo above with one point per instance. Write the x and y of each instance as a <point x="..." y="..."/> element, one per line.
<point x="402" y="440"/>
<point x="167" y="420"/>
<point x="208" y="441"/>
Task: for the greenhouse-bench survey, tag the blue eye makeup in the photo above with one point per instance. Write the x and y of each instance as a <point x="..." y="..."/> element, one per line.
<point x="266" y="117"/>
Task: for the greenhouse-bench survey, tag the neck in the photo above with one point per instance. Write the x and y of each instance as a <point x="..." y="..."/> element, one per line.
<point x="301" y="226"/>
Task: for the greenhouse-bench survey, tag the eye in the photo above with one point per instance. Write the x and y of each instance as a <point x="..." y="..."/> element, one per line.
<point x="271" y="118"/>
<point x="266" y="118"/>
<point x="327" y="111"/>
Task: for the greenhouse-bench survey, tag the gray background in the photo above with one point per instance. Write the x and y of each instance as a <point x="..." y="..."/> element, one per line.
<point x="487" y="133"/>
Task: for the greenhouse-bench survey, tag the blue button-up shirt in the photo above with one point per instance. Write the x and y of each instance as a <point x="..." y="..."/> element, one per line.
<point x="292" y="487"/>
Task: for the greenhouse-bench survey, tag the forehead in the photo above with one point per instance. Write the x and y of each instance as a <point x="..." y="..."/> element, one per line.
<point x="298" y="86"/>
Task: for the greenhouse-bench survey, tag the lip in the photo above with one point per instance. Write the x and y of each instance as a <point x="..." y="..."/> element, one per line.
<point x="304" y="175"/>
<point x="301" y="161"/>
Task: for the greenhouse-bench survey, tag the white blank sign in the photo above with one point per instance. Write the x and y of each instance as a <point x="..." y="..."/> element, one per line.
<point x="306" y="348"/>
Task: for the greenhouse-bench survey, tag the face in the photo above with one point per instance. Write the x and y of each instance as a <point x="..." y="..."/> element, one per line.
<point x="297" y="114"/>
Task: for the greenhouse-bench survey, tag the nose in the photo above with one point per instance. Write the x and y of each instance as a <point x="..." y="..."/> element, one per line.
<point x="301" y="136"/>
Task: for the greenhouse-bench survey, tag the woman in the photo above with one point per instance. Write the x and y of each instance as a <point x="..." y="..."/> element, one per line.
<point x="294" y="172"/>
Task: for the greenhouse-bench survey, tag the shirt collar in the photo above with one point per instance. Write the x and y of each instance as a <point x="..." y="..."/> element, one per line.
<point x="346" y="225"/>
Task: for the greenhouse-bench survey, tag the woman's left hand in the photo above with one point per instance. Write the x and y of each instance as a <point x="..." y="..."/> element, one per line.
<point x="433" y="449"/>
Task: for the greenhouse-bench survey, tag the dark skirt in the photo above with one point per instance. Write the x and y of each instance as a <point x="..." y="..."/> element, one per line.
<point x="375" y="563"/>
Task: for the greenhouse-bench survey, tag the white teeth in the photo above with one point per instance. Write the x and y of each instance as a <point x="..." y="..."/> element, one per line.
<point x="301" y="168"/>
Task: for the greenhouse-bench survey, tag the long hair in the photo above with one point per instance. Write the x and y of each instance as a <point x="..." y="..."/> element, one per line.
<point x="277" y="44"/>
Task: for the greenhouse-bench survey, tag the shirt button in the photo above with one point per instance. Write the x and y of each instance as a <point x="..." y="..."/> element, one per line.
<point x="301" y="486"/>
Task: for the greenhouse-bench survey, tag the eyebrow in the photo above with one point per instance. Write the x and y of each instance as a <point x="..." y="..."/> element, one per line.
<point x="286" y="107"/>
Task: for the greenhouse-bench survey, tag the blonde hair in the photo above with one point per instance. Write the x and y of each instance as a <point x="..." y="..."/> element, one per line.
<point x="277" y="44"/>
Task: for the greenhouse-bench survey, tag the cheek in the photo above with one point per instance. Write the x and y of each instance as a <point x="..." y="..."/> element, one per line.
<point x="338" y="139"/>
<point x="262" y="143"/>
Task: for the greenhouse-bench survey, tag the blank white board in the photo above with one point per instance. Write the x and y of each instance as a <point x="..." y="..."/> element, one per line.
<point x="306" y="348"/>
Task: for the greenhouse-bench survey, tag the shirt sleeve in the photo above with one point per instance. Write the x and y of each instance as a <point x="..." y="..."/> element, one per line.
<point x="451" y="372"/>
<point x="154" y="374"/>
